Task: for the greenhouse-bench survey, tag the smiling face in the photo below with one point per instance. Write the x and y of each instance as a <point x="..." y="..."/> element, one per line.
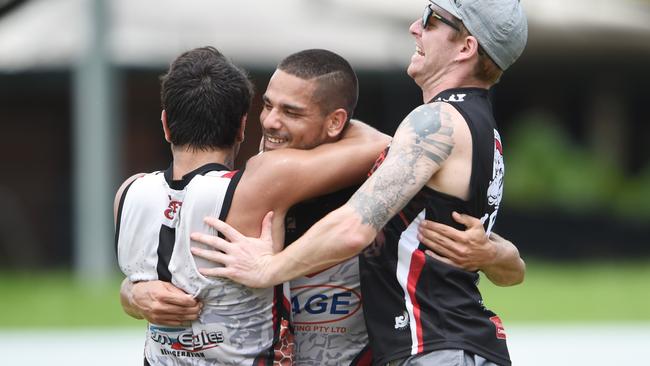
<point x="434" y="48"/>
<point x="291" y="116"/>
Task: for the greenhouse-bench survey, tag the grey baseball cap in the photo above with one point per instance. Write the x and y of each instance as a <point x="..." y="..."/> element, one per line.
<point x="500" y="26"/>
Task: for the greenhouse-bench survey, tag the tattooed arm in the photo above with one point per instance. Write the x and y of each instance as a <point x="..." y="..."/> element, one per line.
<point x="422" y="145"/>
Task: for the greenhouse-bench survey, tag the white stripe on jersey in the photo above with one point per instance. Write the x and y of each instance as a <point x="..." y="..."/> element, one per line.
<point x="408" y="243"/>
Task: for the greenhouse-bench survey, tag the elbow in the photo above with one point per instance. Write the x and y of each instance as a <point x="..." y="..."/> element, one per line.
<point x="357" y="242"/>
<point x="515" y="277"/>
<point x="349" y="231"/>
<point x="357" y="239"/>
<point x="522" y="273"/>
<point x="518" y="280"/>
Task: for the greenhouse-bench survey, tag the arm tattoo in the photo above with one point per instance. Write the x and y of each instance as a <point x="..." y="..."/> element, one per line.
<point x="423" y="142"/>
<point x="427" y="123"/>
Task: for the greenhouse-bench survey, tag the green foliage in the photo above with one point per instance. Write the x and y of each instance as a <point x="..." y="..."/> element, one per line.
<point x="633" y="200"/>
<point x="545" y="169"/>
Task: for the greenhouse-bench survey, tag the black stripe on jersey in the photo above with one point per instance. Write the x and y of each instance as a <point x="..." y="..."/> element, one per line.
<point x="166" y="241"/>
<point x="118" y="219"/>
<point x="230" y="192"/>
<point x="227" y="199"/>
<point x="179" y="185"/>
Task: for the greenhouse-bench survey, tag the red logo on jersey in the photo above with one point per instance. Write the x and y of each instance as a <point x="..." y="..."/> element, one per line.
<point x="173" y="207"/>
<point x="501" y="332"/>
<point x="230" y="174"/>
<point x="498" y="146"/>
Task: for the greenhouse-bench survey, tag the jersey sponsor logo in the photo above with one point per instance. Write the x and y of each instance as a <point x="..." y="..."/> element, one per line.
<point x="454" y="98"/>
<point x="173" y="207"/>
<point x="402" y="321"/>
<point x="322" y="304"/>
<point x="182" y="353"/>
<point x="501" y="332"/>
<point x="187" y="341"/>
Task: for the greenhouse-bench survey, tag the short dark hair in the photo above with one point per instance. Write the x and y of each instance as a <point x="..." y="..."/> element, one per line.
<point x="205" y="97"/>
<point x="337" y="84"/>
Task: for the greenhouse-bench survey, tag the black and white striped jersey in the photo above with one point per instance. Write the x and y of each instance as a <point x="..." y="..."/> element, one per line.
<point x="238" y="325"/>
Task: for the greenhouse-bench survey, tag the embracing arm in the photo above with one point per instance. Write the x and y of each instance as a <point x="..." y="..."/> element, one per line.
<point x="508" y="268"/>
<point x="422" y="143"/>
<point x="126" y="299"/>
<point x="323" y="169"/>
<point x="157" y="301"/>
<point x="471" y="249"/>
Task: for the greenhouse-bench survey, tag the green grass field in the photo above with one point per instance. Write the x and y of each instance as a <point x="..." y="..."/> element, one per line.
<point x="587" y="292"/>
<point x="569" y="292"/>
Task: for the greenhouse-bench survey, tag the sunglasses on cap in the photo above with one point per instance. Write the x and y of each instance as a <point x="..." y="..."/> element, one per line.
<point x="428" y="13"/>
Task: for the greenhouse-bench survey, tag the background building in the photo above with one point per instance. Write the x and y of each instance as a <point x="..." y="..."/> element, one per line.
<point x="79" y="96"/>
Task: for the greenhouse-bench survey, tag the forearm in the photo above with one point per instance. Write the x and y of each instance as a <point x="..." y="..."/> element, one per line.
<point x="508" y="268"/>
<point x="126" y="299"/>
<point x="338" y="236"/>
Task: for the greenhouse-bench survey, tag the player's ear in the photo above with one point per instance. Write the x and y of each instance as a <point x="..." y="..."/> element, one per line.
<point x="336" y="122"/>
<point x="242" y="129"/>
<point x="165" y="126"/>
<point x="468" y="48"/>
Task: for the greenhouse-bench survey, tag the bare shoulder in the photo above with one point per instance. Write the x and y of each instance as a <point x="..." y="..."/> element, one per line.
<point x="433" y="117"/>
<point x="276" y="164"/>
<point x="260" y="190"/>
<point x="439" y="120"/>
<point x="268" y="175"/>
<point x="455" y="119"/>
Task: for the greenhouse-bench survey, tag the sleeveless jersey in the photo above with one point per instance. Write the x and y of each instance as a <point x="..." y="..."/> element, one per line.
<point x="156" y="215"/>
<point x="326" y="306"/>
<point x="415" y="304"/>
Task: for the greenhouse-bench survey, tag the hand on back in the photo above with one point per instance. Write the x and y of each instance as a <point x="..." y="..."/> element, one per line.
<point x="162" y="303"/>
<point x="468" y="249"/>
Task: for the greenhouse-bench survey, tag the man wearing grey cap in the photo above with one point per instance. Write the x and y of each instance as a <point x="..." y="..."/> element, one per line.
<point x="445" y="158"/>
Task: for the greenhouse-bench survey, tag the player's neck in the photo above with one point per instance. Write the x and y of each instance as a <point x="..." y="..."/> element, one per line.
<point x="435" y="86"/>
<point x="187" y="160"/>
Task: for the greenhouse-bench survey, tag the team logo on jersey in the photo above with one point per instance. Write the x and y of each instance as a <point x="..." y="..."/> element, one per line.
<point x="173" y="207"/>
<point x="323" y="304"/>
<point x="501" y="332"/>
<point x="495" y="189"/>
<point x="402" y="321"/>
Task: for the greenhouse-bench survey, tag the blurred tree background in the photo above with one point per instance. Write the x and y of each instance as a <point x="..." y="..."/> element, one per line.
<point x="572" y="114"/>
